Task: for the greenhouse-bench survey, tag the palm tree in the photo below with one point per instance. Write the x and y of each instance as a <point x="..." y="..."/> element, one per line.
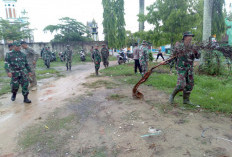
<point x="141" y="11"/>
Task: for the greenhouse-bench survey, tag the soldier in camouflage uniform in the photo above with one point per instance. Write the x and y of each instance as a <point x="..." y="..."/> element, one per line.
<point x="47" y="57"/>
<point x="96" y="57"/>
<point x="10" y="47"/>
<point x="105" y="55"/>
<point x="184" y="67"/>
<point x="32" y="58"/>
<point x="18" y="69"/>
<point x="68" y="57"/>
<point x="143" y="57"/>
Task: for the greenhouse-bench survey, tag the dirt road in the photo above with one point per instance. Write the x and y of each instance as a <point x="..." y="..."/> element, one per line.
<point x="14" y="116"/>
<point x="97" y="117"/>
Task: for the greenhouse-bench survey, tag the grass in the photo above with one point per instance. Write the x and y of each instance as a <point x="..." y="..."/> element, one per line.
<point x="49" y="135"/>
<point x="100" y="83"/>
<point x="115" y="97"/>
<point x="211" y="93"/>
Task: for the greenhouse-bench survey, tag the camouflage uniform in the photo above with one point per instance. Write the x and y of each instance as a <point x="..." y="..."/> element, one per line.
<point x="32" y="56"/>
<point x="105" y="56"/>
<point x="96" y="59"/>
<point x="143" y="59"/>
<point x="184" y="67"/>
<point x="16" y="63"/>
<point x="68" y="58"/>
<point x="47" y="57"/>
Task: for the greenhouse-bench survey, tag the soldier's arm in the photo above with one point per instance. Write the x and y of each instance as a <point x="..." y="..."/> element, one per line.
<point x="27" y="65"/>
<point x="7" y="64"/>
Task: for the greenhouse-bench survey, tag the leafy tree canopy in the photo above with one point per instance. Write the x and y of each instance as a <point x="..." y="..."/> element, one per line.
<point x="14" y="31"/>
<point x="68" y="30"/>
<point x="114" y="23"/>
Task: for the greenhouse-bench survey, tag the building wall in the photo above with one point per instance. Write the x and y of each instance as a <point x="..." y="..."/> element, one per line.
<point x="57" y="47"/>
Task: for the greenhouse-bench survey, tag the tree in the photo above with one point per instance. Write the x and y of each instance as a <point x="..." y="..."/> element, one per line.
<point x="114" y="23"/>
<point x="141" y="11"/>
<point x="14" y="31"/>
<point x="68" y="30"/>
<point x="170" y="19"/>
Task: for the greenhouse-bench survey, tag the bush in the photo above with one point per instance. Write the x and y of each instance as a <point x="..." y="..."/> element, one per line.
<point x="151" y="58"/>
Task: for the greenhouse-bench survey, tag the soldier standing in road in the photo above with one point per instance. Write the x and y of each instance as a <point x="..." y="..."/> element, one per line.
<point x="184" y="67"/>
<point x="143" y="58"/>
<point x="18" y="69"/>
<point x="47" y="57"/>
<point x="96" y="59"/>
<point x="105" y="55"/>
<point x="32" y="58"/>
<point x="68" y="57"/>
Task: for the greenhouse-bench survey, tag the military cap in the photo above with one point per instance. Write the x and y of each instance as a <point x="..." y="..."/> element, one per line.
<point x="23" y="42"/>
<point x="16" y="43"/>
<point x="187" y="34"/>
<point x="144" y="42"/>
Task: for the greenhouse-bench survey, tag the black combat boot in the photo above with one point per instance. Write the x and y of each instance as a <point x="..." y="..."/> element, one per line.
<point x="96" y="72"/>
<point x="13" y="96"/>
<point x="26" y="100"/>
<point x="67" y="68"/>
<point x="70" y="68"/>
<point x="186" y="98"/>
<point x="172" y="96"/>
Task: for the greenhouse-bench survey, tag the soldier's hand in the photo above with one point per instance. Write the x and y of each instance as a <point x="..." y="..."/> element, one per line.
<point x="9" y="74"/>
<point x="34" y="62"/>
<point x="30" y="74"/>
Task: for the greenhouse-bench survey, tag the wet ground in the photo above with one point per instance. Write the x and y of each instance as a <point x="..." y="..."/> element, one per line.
<point x="51" y="93"/>
<point x="97" y="117"/>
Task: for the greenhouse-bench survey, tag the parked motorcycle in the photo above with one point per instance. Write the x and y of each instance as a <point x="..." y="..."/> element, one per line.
<point x="82" y="55"/>
<point x="122" y="58"/>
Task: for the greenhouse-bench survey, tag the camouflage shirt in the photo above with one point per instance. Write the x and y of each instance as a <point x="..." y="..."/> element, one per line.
<point x="185" y="61"/>
<point x="16" y="61"/>
<point x="96" y="56"/>
<point x="68" y="54"/>
<point x="105" y="52"/>
<point x="47" y="54"/>
<point x="143" y="55"/>
<point x="31" y="55"/>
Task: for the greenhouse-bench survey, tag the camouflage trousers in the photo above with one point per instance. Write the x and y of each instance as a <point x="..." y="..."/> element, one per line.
<point x="68" y="63"/>
<point x="32" y="79"/>
<point x="144" y="68"/>
<point x="47" y="62"/>
<point x="185" y="81"/>
<point x="19" y="78"/>
<point x="105" y="61"/>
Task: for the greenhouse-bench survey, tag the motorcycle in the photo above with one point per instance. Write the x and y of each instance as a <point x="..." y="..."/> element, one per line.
<point x="53" y="57"/>
<point x="61" y="55"/>
<point x="82" y="55"/>
<point x="122" y="58"/>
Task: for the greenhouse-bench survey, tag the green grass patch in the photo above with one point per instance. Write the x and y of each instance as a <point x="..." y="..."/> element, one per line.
<point x="100" y="83"/>
<point x="115" y="97"/>
<point x="47" y="134"/>
<point x="211" y="93"/>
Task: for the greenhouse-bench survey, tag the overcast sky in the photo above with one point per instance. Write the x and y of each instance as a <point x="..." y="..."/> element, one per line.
<point x="47" y="12"/>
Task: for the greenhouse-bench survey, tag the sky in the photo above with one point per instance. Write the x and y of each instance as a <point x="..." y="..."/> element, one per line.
<point x="48" y="12"/>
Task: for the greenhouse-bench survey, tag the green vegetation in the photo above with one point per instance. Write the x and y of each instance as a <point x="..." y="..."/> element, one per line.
<point x="211" y="93"/>
<point x="50" y="135"/>
<point x="100" y="83"/>
<point x="69" y="30"/>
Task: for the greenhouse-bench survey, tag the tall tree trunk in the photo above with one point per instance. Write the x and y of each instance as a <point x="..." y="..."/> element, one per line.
<point x="207" y="19"/>
<point x="141" y="11"/>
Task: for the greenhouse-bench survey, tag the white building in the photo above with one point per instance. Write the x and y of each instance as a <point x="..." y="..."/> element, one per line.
<point x="10" y="11"/>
